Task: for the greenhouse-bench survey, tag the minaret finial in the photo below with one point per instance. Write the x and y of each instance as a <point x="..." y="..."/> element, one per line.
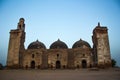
<point x="21" y="25"/>
<point x="99" y="24"/>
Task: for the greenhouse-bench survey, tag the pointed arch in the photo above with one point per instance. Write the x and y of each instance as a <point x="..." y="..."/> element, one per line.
<point x="33" y="64"/>
<point x="84" y="64"/>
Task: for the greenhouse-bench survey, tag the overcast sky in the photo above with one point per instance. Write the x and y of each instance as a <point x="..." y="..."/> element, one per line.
<point x="68" y="20"/>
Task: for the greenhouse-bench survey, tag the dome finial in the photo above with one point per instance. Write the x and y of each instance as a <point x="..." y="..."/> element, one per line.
<point x="98" y="24"/>
<point x="37" y="40"/>
<point x="58" y="39"/>
<point x="80" y="39"/>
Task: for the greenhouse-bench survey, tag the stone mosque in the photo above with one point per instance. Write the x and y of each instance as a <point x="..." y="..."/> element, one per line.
<point x="58" y="56"/>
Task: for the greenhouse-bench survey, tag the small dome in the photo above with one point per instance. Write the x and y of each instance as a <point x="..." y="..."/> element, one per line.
<point x="58" y="45"/>
<point x="80" y="43"/>
<point x="36" y="45"/>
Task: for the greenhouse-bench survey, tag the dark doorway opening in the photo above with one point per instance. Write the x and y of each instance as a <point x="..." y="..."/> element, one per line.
<point x="84" y="64"/>
<point x="58" y="65"/>
<point x="33" y="64"/>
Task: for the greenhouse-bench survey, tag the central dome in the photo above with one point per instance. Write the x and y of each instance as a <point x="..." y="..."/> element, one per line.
<point x="36" y="45"/>
<point x="58" y="45"/>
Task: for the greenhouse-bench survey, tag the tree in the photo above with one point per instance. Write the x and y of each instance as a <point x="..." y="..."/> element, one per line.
<point x="1" y="66"/>
<point x="113" y="63"/>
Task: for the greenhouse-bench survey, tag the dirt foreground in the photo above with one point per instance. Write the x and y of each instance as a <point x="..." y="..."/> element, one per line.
<point x="81" y="74"/>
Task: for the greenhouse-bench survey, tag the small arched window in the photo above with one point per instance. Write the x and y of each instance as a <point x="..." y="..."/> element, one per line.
<point x="33" y="55"/>
<point x="57" y="55"/>
<point x="83" y="55"/>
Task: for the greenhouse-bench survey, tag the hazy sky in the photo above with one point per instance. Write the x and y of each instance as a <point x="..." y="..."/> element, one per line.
<point x="68" y="20"/>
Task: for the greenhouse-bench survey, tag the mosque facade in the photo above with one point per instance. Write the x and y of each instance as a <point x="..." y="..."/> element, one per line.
<point x="58" y="56"/>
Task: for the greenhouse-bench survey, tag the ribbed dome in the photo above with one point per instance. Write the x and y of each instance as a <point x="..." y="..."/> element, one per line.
<point x="80" y="43"/>
<point x="36" y="45"/>
<point x="58" y="45"/>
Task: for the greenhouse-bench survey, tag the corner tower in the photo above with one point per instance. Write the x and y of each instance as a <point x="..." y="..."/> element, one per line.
<point x="16" y="45"/>
<point x="101" y="46"/>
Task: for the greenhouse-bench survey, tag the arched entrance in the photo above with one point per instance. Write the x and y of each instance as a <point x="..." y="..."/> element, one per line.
<point x="33" y="64"/>
<point x="58" y="65"/>
<point x="84" y="64"/>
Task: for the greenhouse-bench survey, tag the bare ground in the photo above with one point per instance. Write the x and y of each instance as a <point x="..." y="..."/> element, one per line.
<point x="81" y="74"/>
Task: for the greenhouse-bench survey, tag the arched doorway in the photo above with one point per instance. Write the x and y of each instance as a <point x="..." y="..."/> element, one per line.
<point x="58" y="65"/>
<point x="84" y="64"/>
<point x="33" y="64"/>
